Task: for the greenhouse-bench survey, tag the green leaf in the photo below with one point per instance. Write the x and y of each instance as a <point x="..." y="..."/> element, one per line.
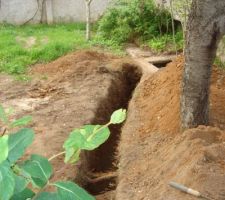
<point x="4" y="148"/>
<point x="18" y="143"/>
<point x="76" y="139"/>
<point x="39" y="169"/>
<point x="3" y="115"/>
<point x="72" y="155"/>
<point x="94" y="135"/>
<point x="48" y="196"/>
<point x="20" y="184"/>
<point x="24" y="195"/>
<point x="7" y="182"/>
<point x="21" y="122"/>
<point x="87" y="138"/>
<point x="118" y="116"/>
<point x="71" y="191"/>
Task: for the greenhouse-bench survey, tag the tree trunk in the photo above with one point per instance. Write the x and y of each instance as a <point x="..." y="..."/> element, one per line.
<point x="88" y="19"/>
<point x="206" y="26"/>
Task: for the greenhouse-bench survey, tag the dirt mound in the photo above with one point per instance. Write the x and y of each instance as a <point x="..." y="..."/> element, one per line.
<point x="160" y="94"/>
<point x="154" y="152"/>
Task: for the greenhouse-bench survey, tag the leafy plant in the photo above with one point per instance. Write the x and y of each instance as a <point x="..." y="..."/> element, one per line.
<point x="27" y="179"/>
<point x="159" y="44"/>
<point x="219" y="63"/>
<point x="128" y="20"/>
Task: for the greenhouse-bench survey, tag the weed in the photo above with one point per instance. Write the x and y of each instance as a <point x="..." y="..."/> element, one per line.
<point x="165" y="42"/>
<point x="219" y="63"/>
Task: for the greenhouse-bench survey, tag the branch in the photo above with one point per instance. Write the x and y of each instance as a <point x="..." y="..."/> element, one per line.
<point x="33" y="15"/>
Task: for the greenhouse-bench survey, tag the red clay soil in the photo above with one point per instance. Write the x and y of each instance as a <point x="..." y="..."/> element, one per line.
<point x="81" y="88"/>
<point x="85" y="87"/>
<point x="153" y="151"/>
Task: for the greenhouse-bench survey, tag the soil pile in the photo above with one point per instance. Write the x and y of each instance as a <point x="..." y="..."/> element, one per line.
<point x="154" y="152"/>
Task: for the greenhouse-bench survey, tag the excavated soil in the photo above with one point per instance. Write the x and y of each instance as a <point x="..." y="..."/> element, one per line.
<point x="153" y="151"/>
<point x="81" y="88"/>
<point x="85" y="87"/>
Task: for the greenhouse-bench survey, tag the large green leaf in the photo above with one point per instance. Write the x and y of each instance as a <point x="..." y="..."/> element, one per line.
<point x="3" y="115"/>
<point x="39" y="169"/>
<point x="71" y="191"/>
<point x="18" y="143"/>
<point x="7" y="182"/>
<point x="24" y="195"/>
<point x="76" y="139"/>
<point x="21" y="122"/>
<point x="72" y="155"/>
<point x="20" y="184"/>
<point x="87" y="138"/>
<point x="118" y="116"/>
<point x="94" y="135"/>
<point x="48" y="196"/>
<point x="3" y="148"/>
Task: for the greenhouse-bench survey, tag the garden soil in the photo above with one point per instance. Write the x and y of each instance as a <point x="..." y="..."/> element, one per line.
<point x="85" y="87"/>
<point x="153" y="151"/>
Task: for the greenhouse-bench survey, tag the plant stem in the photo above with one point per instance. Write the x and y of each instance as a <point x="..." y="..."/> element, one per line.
<point x="94" y="133"/>
<point x="56" y="155"/>
<point x="3" y="132"/>
<point x="41" y="190"/>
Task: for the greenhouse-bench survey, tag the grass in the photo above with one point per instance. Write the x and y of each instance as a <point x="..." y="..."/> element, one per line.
<point x="166" y="43"/>
<point x="23" y="46"/>
<point x="219" y="63"/>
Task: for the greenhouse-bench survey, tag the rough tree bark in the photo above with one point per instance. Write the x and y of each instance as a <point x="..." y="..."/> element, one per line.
<point x="206" y="26"/>
<point x="88" y="19"/>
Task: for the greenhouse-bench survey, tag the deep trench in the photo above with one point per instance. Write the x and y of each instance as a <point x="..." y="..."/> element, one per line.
<point x="97" y="171"/>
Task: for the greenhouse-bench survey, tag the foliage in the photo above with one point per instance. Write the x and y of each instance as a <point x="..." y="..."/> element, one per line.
<point x="181" y="9"/>
<point x="159" y="44"/>
<point x="132" y="19"/>
<point x="219" y="63"/>
<point x="22" y="46"/>
<point x="27" y="179"/>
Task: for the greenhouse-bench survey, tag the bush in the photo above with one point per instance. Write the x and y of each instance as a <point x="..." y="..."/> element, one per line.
<point x="127" y="21"/>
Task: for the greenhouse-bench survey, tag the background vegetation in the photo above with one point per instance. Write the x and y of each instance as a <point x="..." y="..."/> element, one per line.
<point x="140" y="22"/>
<point x="22" y="46"/>
<point x="136" y="21"/>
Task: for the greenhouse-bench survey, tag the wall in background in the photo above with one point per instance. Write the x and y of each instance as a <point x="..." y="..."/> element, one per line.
<point x="36" y="11"/>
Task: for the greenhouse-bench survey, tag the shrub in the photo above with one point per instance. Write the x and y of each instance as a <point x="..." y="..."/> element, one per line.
<point x="128" y="20"/>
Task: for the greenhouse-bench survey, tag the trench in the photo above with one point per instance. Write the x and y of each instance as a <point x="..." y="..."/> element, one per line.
<point x="97" y="172"/>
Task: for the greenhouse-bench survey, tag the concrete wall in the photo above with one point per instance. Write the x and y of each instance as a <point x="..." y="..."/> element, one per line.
<point x="20" y="11"/>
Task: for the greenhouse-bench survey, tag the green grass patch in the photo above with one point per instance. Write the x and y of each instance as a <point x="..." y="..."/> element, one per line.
<point x="23" y="46"/>
<point x="166" y="42"/>
<point x="219" y="63"/>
